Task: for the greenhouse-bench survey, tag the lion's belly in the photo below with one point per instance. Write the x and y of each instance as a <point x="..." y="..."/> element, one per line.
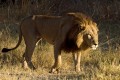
<point x="49" y="36"/>
<point x="49" y="33"/>
<point x="49" y="39"/>
<point x="48" y="28"/>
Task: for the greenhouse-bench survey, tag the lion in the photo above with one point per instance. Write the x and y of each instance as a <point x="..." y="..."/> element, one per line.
<point x="72" y="32"/>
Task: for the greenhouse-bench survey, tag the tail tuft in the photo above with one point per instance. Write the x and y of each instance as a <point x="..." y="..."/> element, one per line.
<point x="5" y="50"/>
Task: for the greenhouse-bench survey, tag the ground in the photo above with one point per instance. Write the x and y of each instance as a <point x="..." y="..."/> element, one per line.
<point x="101" y="64"/>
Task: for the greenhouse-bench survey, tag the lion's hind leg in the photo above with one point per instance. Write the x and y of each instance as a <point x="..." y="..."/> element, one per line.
<point x="30" y="45"/>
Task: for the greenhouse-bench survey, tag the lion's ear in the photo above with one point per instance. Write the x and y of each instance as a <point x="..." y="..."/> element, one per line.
<point x="73" y="31"/>
<point x="82" y="27"/>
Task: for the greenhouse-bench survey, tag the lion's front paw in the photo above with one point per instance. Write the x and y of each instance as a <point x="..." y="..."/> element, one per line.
<point x="54" y="71"/>
<point x="77" y="69"/>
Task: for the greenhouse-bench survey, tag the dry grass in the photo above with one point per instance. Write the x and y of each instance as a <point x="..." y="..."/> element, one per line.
<point x="102" y="64"/>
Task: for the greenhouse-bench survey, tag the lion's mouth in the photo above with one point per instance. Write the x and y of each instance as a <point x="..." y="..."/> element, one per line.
<point x="94" y="47"/>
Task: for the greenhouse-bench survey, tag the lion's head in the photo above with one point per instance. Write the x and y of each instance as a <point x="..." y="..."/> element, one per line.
<point x="83" y="34"/>
<point x="89" y="36"/>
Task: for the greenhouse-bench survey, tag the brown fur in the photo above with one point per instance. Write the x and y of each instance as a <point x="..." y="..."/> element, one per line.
<point x="69" y="45"/>
<point x="69" y="33"/>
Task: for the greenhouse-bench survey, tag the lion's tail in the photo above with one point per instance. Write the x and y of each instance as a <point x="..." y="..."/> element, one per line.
<point x="20" y="39"/>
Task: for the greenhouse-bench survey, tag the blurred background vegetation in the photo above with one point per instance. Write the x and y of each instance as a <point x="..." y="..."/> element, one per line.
<point x="97" y="9"/>
<point x="102" y="64"/>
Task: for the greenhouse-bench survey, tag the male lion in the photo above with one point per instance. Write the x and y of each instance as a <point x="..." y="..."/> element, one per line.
<point x="73" y="32"/>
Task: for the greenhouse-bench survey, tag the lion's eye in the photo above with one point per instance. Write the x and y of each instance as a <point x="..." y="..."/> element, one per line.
<point x="89" y="36"/>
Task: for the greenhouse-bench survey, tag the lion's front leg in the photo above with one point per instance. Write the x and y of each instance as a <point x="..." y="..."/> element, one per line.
<point x="57" y="58"/>
<point x="76" y="58"/>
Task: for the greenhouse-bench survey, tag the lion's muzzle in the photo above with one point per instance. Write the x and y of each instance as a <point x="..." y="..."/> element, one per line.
<point x="94" y="47"/>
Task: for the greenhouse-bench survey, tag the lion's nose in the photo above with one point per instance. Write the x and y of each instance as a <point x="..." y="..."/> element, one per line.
<point x="95" y="44"/>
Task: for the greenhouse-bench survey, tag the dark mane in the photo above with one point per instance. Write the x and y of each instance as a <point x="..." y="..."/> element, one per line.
<point x="81" y="17"/>
<point x="69" y="45"/>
